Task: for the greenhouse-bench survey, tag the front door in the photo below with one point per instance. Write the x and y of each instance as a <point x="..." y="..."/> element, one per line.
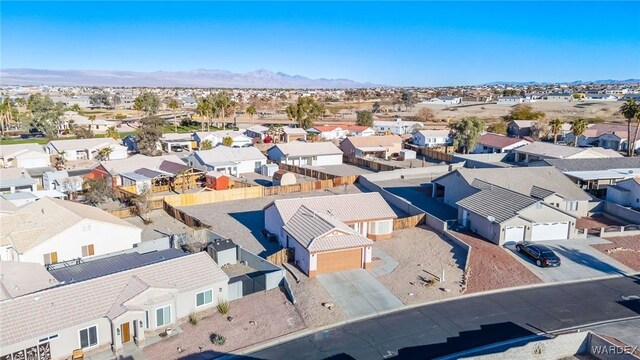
<point x="126" y="333"/>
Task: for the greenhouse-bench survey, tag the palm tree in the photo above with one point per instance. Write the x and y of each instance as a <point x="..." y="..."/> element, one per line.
<point x="556" y="127"/>
<point x="205" y="109"/>
<point x="631" y="110"/>
<point x="105" y="153"/>
<point x="578" y="127"/>
<point x="112" y="133"/>
<point x="174" y="105"/>
<point x="251" y="110"/>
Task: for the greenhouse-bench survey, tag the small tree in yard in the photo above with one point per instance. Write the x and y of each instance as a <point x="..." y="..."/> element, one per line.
<point x="227" y="141"/>
<point x="96" y="191"/>
<point x="466" y="133"/>
<point x="426" y="115"/>
<point x="194" y="241"/>
<point x="149" y="133"/>
<point x="631" y="111"/>
<point x="364" y="118"/>
<point x="71" y="186"/>
<point x="578" y="127"/>
<point x="556" y="127"/>
<point x="498" y="128"/>
<point x="142" y="204"/>
<point x="206" y="145"/>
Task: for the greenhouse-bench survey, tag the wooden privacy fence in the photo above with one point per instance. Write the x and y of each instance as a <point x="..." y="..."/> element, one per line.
<point x="125" y="192"/>
<point x="288" y="189"/>
<point x="184" y="217"/>
<point x="409" y="222"/>
<point x="371" y="164"/>
<point x="130" y="211"/>
<point x="210" y="197"/>
<point x="318" y="174"/>
<point x="435" y="154"/>
<point x="283" y="256"/>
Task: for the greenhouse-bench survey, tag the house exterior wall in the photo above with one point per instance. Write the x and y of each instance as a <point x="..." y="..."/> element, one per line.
<point x="631" y="197"/>
<point x="31" y="160"/>
<point x="319" y="160"/>
<point x="273" y="223"/>
<point x="456" y="189"/>
<point x="226" y="257"/>
<point x="565" y="205"/>
<point x="514" y="129"/>
<point x="105" y="237"/>
<point x="430" y="141"/>
<point x="307" y="262"/>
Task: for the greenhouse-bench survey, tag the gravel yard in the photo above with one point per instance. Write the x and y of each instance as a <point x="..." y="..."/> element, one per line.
<point x="596" y="221"/>
<point x="161" y="226"/>
<point x="419" y="251"/>
<point x="243" y="220"/>
<point x="491" y="267"/>
<point x="310" y="295"/>
<point x="272" y="316"/>
<point x="625" y="249"/>
<point x="342" y="170"/>
<point x="262" y="180"/>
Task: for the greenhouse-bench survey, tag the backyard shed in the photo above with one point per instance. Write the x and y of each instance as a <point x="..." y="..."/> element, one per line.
<point x="223" y="252"/>
<point x="282" y="177"/>
<point x="216" y="180"/>
<point x="269" y="169"/>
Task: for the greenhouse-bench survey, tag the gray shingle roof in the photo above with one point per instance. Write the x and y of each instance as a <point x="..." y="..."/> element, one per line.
<point x="499" y="203"/>
<point x="540" y="193"/>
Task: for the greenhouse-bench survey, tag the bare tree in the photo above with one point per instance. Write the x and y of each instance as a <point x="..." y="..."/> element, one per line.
<point x="71" y="186"/>
<point x="142" y="204"/>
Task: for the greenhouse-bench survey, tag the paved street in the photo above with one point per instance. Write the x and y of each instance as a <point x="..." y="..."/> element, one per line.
<point x="358" y="293"/>
<point x="580" y="261"/>
<point x="461" y="324"/>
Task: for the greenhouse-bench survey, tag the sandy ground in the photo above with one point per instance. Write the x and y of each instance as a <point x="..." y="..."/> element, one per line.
<point x="421" y="252"/>
<point x="625" y="249"/>
<point x="273" y="315"/>
<point x="492" y="267"/>
<point x="310" y="295"/>
<point x="595" y="222"/>
<point x="243" y="220"/>
<point x="161" y="226"/>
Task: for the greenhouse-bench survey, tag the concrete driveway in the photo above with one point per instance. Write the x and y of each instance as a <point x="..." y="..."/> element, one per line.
<point x="580" y="261"/>
<point x="358" y="293"/>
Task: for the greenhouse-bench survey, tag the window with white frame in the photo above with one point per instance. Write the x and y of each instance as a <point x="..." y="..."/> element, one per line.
<point x="163" y="315"/>
<point x="89" y="337"/>
<point x="203" y="298"/>
<point x="572" y="206"/>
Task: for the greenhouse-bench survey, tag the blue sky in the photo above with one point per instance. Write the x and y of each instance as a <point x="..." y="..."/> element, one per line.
<point x="414" y="43"/>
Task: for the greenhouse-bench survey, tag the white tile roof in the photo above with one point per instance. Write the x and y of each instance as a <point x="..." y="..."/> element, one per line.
<point x="14" y="150"/>
<point x="346" y="208"/>
<point x="301" y="148"/>
<point x="42" y="219"/>
<point x="76" y="144"/>
<point x="337" y="242"/>
<point x="226" y="154"/>
<point x="564" y="151"/>
<point x="138" y="162"/>
<point x="19" y="278"/>
<point x="293" y="131"/>
<point x="51" y="310"/>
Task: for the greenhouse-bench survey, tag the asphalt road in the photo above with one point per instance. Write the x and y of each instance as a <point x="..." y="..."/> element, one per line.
<point x="461" y="324"/>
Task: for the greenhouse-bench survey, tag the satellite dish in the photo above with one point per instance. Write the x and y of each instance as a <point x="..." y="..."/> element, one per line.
<point x="491" y="218"/>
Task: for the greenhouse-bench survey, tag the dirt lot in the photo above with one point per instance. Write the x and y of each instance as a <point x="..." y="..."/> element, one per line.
<point x="625" y="249"/>
<point x="310" y="295"/>
<point x="273" y="316"/>
<point x="596" y="221"/>
<point x="421" y="252"/>
<point x="492" y="267"/>
<point x="161" y="226"/>
<point x="243" y="220"/>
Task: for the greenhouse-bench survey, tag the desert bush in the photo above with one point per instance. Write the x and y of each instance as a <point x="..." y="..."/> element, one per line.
<point x="223" y="307"/>
<point x="193" y="319"/>
<point x="217" y="339"/>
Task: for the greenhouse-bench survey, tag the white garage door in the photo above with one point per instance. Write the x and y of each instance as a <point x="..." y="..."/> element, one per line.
<point x="550" y="231"/>
<point x="513" y="234"/>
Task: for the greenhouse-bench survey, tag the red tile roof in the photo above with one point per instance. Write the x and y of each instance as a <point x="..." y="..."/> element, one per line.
<point x="497" y="140"/>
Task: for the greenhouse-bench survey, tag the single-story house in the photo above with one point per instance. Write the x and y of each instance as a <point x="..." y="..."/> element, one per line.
<point x="608" y="136"/>
<point x="86" y="149"/>
<point x="446" y="100"/>
<point x="24" y="198"/>
<point x="558" y="97"/>
<point x="121" y="308"/>
<point x="72" y="118"/>
<point x="290" y="134"/>
<point x="510" y="100"/>
<point x="216" y="138"/>
<point x="176" y="142"/>
<point x="16" y="180"/>
<point x="601" y="97"/>
<point x="21" y="278"/>
<point x="330" y="233"/>
<point x="625" y="193"/>
<point x="62" y="181"/>
<point x="26" y="156"/>
<point x="52" y="230"/>
<point x="496" y="143"/>
<point x="131" y="143"/>
<point x="431" y="138"/>
<point x="230" y="161"/>
<point x="539" y="150"/>
<point x="330" y="132"/>
<point x="545" y="183"/>
<point x="503" y="217"/>
<point x="397" y="127"/>
<point x="596" y="175"/>
<point x="519" y="127"/>
<point x="257" y="131"/>
<point x="301" y="153"/>
<point x="383" y="146"/>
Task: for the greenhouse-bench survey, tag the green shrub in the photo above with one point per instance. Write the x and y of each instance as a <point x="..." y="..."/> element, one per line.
<point x="193" y="319"/>
<point x="217" y="339"/>
<point x="223" y="307"/>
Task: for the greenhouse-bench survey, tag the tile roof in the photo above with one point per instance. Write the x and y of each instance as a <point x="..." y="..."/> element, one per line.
<point x="596" y="130"/>
<point x="7" y="206"/>
<point x="499" y="203"/>
<point x="136" y="162"/>
<point x="293" y="131"/>
<point x="301" y="148"/>
<point x="434" y="133"/>
<point x="53" y="309"/>
<point x="76" y="144"/>
<point x="563" y="151"/>
<point x="346" y="127"/>
<point x="17" y="149"/>
<point x="93" y="268"/>
<point x="523" y="179"/>
<point x="540" y="193"/>
<point x="229" y="154"/>
<point x="374" y="141"/>
<point x="20" y="278"/>
<point x="306" y="225"/>
<point x="173" y="167"/>
<point x="42" y="219"/>
<point x="337" y="242"/>
<point x="498" y="141"/>
<point x="15" y="177"/>
<point x="346" y="208"/>
<point x="594" y="164"/>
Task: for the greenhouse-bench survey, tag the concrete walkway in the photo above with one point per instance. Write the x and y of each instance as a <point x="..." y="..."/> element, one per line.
<point x="385" y="268"/>
<point x="358" y="293"/>
<point x="580" y="261"/>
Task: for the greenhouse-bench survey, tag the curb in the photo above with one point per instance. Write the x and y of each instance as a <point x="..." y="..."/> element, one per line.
<point x="299" y="334"/>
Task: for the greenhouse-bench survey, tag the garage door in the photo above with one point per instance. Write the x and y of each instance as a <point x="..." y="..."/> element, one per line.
<point x="339" y="260"/>
<point x="550" y="231"/>
<point x="513" y="234"/>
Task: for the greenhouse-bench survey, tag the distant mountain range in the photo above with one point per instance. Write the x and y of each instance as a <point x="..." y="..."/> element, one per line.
<point x="194" y="78"/>
<point x="577" y="82"/>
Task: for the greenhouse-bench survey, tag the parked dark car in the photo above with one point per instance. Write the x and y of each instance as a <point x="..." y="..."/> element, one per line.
<point x="542" y="255"/>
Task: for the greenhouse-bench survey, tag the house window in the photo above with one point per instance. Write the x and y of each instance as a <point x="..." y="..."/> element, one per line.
<point x="163" y="315"/>
<point x="572" y="206"/>
<point x="86" y="227"/>
<point x="146" y="319"/>
<point x="47" y="338"/>
<point x="257" y="164"/>
<point x="50" y="258"/>
<point x="87" y="250"/>
<point x="204" y="298"/>
<point x="89" y="337"/>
